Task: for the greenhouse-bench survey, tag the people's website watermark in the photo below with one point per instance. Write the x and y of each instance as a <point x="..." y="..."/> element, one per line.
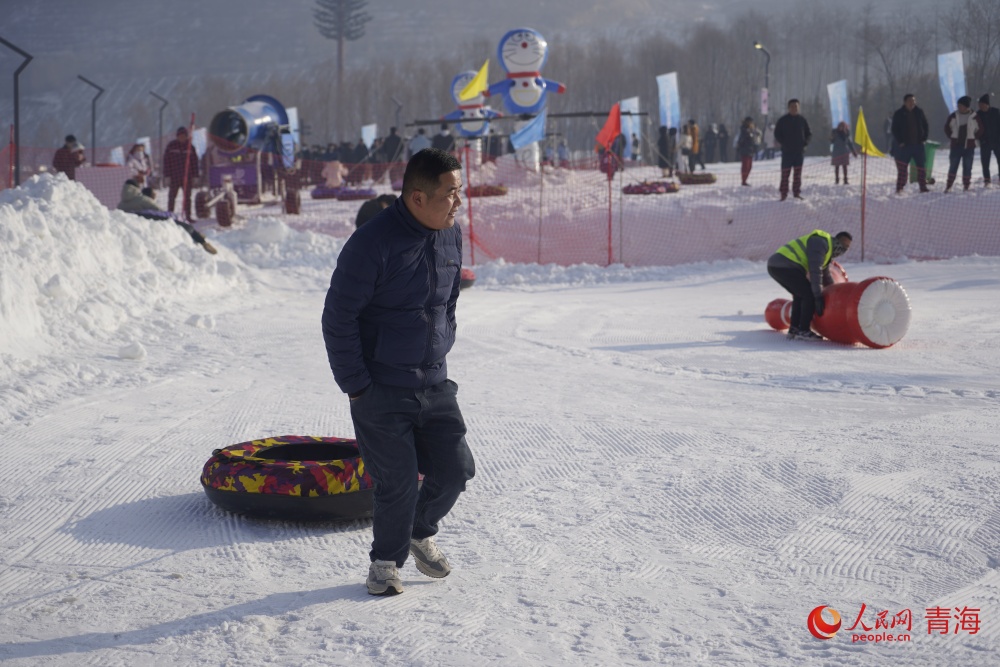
<point x="872" y="626"/>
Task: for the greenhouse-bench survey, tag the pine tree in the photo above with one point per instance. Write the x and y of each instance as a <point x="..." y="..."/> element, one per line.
<point x="343" y="21"/>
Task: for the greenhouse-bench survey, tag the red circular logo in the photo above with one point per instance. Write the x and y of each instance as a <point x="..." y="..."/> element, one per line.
<point x="819" y="628"/>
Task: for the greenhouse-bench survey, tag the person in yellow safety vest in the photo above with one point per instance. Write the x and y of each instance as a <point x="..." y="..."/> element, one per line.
<point x="802" y="267"/>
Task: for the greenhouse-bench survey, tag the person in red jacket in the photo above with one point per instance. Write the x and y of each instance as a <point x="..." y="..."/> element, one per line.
<point x="180" y="152"/>
<point x="69" y="157"/>
<point x="963" y="128"/>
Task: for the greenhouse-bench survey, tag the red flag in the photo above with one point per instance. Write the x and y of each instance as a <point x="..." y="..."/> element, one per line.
<point x="612" y="127"/>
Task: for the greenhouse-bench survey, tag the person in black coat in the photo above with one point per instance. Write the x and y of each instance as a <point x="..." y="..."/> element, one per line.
<point x="665" y="153"/>
<point x="373" y="207"/>
<point x="388" y="324"/>
<point x="793" y="133"/>
<point x="443" y="141"/>
<point x="910" y="130"/>
<point x="708" y="143"/>
<point x="723" y="143"/>
<point x="989" y="121"/>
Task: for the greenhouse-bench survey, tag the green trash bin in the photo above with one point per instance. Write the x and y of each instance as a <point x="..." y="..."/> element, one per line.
<point x="930" y="148"/>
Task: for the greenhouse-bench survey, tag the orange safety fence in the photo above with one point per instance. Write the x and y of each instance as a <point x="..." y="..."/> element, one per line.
<point x="570" y="213"/>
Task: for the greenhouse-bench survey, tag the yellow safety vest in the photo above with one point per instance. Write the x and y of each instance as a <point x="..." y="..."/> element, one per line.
<point x="796" y="250"/>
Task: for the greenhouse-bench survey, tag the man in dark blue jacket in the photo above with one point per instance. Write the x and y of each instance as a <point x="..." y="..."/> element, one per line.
<point x="388" y="323"/>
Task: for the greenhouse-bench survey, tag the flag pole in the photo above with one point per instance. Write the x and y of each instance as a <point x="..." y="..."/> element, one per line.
<point x="610" y="180"/>
<point x="541" y="196"/>
<point x="864" y="197"/>
<point x="468" y="198"/>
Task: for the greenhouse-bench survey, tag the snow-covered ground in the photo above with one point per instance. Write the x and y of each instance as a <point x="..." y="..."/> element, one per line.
<point x="662" y="479"/>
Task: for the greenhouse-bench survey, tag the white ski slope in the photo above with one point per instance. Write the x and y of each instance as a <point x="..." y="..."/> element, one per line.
<point x="662" y="479"/>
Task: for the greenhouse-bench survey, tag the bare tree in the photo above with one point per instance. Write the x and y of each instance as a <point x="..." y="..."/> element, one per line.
<point x="975" y="29"/>
<point x="343" y="21"/>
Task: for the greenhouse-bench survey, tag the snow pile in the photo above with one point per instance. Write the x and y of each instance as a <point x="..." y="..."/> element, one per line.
<point x="73" y="271"/>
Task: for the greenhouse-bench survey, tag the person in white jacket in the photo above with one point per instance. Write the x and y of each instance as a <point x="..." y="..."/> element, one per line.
<point x="138" y="165"/>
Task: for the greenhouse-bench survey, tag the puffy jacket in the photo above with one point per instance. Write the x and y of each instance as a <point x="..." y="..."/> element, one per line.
<point x="909" y="127"/>
<point x="390" y="311"/>
<point x="174" y="157"/>
<point x="974" y="130"/>
<point x="133" y="200"/>
<point x="793" y="133"/>
<point x="989" y="120"/>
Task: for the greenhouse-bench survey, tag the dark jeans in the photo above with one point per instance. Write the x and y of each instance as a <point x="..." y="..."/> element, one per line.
<point x="172" y="197"/>
<point x="746" y="164"/>
<point x="803" y="301"/>
<point x="985" y="152"/>
<point x="903" y="156"/>
<point x="402" y="432"/>
<point x="966" y="156"/>
<point x="791" y="162"/>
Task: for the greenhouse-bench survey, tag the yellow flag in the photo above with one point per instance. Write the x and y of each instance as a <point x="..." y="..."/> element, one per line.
<point x="479" y="83"/>
<point x="862" y="139"/>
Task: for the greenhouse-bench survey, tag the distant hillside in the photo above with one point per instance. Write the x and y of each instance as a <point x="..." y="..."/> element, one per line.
<point x="132" y="48"/>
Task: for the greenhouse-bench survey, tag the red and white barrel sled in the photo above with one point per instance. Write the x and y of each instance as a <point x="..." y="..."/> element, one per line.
<point x="874" y="312"/>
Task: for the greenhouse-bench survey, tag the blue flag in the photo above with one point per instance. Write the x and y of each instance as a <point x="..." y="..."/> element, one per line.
<point x="530" y="133"/>
<point x="951" y="75"/>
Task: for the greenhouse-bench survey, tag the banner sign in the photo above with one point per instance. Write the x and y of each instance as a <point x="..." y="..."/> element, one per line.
<point x="951" y="74"/>
<point x="630" y="124"/>
<point x="839" y="109"/>
<point x="670" y="100"/>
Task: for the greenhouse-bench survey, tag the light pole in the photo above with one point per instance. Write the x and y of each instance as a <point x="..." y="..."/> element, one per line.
<point x="159" y="141"/>
<point x="93" y="115"/>
<point x="17" y="110"/>
<point x="767" y="85"/>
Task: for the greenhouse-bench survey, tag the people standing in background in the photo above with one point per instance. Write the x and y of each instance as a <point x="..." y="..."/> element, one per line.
<point x="137" y="163"/>
<point x="443" y="141"/>
<point x="636" y="152"/>
<point x="180" y="161"/>
<point x="746" y="147"/>
<point x="890" y="143"/>
<point x="695" y="155"/>
<point x="562" y="153"/>
<point x="665" y="152"/>
<point x="989" y="142"/>
<point x="419" y="142"/>
<point x="709" y="143"/>
<point x="68" y="157"/>
<point x="684" y="148"/>
<point x="723" y="143"/>
<point x="963" y="129"/>
<point x="909" y="131"/>
<point x="841" y="150"/>
<point x="793" y="133"/>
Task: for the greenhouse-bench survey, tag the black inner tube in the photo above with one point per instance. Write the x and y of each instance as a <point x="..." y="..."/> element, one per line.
<point x="309" y="451"/>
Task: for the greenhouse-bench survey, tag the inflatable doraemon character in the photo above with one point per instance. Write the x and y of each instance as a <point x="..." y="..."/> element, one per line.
<point x="472" y="112"/>
<point x="522" y="52"/>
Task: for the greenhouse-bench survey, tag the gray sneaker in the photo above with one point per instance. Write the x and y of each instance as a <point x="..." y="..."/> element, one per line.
<point x="383" y="578"/>
<point x="808" y="335"/>
<point x="428" y="558"/>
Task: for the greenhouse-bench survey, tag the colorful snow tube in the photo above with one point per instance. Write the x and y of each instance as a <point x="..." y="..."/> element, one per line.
<point x="468" y="278"/>
<point x="486" y="191"/>
<point x="695" y="179"/>
<point x="291" y="477"/>
<point x="349" y="194"/>
<point x="342" y="193"/>
<point x="651" y="188"/>
<point x="323" y="192"/>
<point x="875" y="312"/>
